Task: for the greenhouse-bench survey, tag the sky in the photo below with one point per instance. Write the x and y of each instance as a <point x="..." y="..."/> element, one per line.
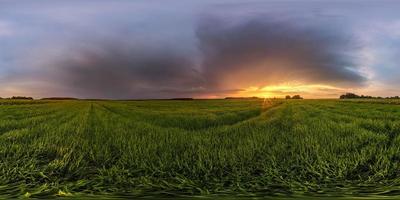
<point x="142" y="49"/>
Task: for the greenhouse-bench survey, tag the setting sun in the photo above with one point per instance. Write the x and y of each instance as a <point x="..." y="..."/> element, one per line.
<point x="281" y="90"/>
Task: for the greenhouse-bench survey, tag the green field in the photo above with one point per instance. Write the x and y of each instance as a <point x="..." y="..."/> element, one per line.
<point x="224" y="148"/>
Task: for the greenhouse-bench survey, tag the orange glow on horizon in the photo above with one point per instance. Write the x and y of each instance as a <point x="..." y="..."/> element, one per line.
<point x="305" y="90"/>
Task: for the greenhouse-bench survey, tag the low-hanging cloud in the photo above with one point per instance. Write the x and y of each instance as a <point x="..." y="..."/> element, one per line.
<point x="114" y="69"/>
<point x="262" y="52"/>
<point x="233" y="56"/>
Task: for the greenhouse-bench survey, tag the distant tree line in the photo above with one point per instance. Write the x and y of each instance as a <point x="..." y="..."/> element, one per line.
<point x="355" y="96"/>
<point x="18" y="98"/>
<point x="294" y="97"/>
<point x="183" y="99"/>
<point x="241" y="97"/>
<point x="59" y="98"/>
<point x="21" y="98"/>
<point x="47" y="98"/>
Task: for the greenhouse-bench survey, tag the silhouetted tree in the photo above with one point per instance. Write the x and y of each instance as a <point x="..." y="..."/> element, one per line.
<point x="297" y="97"/>
<point x="349" y="96"/>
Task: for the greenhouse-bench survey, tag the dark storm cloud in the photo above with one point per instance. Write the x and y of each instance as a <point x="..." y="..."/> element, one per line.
<point x="263" y="51"/>
<point x="58" y="48"/>
<point x="115" y="69"/>
<point x="233" y="56"/>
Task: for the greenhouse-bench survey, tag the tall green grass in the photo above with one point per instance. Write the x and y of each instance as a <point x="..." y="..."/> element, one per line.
<point x="199" y="148"/>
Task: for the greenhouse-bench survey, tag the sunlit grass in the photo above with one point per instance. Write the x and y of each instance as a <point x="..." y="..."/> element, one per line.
<point x="199" y="148"/>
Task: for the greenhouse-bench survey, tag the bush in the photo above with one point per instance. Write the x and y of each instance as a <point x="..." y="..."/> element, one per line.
<point x="294" y="97"/>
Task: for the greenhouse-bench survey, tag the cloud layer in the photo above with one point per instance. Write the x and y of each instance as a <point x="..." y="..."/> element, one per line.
<point x="261" y="52"/>
<point x="115" y="69"/>
<point x="225" y="56"/>
<point x="253" y="53"/>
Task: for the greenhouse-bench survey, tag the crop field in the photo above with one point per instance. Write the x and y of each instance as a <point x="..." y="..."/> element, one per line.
<point x="209" y="148"/>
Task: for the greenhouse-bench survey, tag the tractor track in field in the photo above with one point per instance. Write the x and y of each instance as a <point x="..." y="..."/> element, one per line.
<point x="41" y="119"/>
<point x="61" y="121"/>
<point x="128" y="116"/>
<point x="54" y="115"/>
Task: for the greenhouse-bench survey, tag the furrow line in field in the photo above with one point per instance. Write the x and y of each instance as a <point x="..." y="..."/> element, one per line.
<point x="22" y="113"/>
<point x="35" y="121"/>
<point x="30" y="115"/>
<point x="262" y="114"/>
<point x="135" y="120"/>
<point x="131" y="116"/>
<point x="57" y="116"/>
<point x="360" y="114"/>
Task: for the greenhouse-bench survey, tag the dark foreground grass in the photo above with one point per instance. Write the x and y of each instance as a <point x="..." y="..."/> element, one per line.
<point x="209" y="148"/>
